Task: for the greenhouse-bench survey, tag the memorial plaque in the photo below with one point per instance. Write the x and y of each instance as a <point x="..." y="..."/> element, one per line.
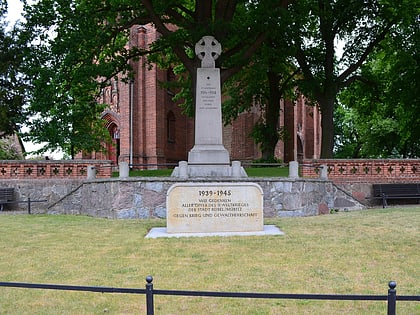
<point x="214" y="207"/>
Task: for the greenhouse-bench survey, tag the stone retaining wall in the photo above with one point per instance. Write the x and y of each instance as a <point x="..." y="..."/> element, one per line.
<point x="134" y="198"/>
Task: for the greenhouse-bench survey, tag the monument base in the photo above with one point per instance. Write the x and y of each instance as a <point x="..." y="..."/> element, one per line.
<point x="162" y="232"/>
<point x="186" y="170"/>
<point x="206" y="154"/>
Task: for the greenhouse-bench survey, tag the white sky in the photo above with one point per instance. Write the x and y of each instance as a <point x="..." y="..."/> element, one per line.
<point x="14" y="10"/>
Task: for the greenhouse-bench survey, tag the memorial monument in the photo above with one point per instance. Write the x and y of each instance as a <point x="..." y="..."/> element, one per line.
<point x="207" y="202"/>
<point x="208" y="157"/>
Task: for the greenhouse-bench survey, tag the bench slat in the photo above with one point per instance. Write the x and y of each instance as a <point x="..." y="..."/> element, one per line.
<point x="6" y="194"/>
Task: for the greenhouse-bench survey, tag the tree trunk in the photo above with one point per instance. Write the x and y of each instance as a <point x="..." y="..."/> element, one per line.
<point x="272" y="113"/>
<point x="326" y="103"/>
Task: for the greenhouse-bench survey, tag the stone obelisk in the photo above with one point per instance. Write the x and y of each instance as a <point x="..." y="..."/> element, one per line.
<point x="208" y="157"/>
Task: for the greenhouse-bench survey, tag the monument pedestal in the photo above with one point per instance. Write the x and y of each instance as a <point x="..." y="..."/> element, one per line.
<point x="186" y="170"/>
<point x="206" y="154"/>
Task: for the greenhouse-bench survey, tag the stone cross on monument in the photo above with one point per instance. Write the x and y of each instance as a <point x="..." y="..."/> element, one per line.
<point x="208" y="157"/>
<point x="208" y="50"/>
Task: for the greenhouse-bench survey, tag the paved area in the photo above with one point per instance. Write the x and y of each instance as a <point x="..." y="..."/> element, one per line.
<point x="161" y="232"/>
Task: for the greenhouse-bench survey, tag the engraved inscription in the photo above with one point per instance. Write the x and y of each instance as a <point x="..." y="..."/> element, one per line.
<point x="208" y="95"/>
<point x="233" y="207"/>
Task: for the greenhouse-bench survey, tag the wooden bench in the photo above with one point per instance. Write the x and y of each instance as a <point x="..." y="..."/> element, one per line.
<point x="6" y="195"/>
<point x="395" y="191"/>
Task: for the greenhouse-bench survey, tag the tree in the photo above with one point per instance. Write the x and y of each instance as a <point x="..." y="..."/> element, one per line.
<point x="10" y="148"/>
<point x="264" y="82"/>
<point x="318" y="26"/>
<point x="12" y="83"/>
<point x="268" y="78"/>
<point x="384" y="107"/>
<point x="77" y="47"/>
<point x="65" y="65"/>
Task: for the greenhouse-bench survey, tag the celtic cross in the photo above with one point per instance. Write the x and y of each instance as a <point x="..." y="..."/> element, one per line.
<point x="208" y="49"/>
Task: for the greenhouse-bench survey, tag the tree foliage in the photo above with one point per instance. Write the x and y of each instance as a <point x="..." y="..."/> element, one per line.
<point x="10" y="148"/>
<point x="78" y="45"/>
<point x="73" y="48"/>
<point x="68" y="64"/>
<point x="268" y="78"/>
<point x="379" y="114"/>
<point x="12" y="83"/>
<point x="317" y="27"/>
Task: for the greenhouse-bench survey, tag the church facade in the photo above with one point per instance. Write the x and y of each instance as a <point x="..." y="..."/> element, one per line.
<point x="149" y="130"/>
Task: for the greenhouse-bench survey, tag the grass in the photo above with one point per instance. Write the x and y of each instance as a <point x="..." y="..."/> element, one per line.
<point x="267" y="171"/>
<point x="251" y="171"/>
<point x="343" y="253"/>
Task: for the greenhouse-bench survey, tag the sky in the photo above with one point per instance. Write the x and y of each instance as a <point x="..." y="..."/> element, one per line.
<point x="15" y="10"/>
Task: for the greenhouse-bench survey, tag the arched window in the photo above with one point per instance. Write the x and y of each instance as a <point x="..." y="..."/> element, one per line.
<point x="170" y="127"/>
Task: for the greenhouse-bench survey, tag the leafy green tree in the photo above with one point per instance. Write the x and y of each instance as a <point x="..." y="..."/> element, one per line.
<point x="10" y="148"/>
<point x="65" y="65"/>
<point x="269" y="77"/>
<point x="12" y="83"/>
<point x="263" y="83"/>
<point x="365" y="136"/>
<point x="383" y="109"/>
<point x="77" y="46"/>
<point x="317" y="28"/>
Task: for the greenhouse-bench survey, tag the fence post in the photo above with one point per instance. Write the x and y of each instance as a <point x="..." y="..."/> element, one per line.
<point x="29" y="205"/>
<point x="124" y="170"/>
<point x="91" y="172"/>
<point x="149" y="296"/>
<point x="323" y="174"/>
<point x="392" y="298"/>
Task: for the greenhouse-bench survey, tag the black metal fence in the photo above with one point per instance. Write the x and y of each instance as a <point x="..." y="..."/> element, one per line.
<point x="150" y="292"/>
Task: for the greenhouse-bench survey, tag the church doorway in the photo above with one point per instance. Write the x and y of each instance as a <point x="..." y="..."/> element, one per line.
<point x="113" y="148"/>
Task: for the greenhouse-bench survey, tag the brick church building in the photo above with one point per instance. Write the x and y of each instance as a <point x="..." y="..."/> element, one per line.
<point x="148" y="128"/>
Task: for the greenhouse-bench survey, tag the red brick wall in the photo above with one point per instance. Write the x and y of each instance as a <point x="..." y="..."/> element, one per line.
<point x="150" y="108"/>
<point x="242" y="146"/>
<point x="365" y="170"/>
<point x="53" y="169"/>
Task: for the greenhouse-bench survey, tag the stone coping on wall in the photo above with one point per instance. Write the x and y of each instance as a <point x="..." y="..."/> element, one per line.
<point x="53" y="169"/>
<point x="365" y="170"/>
<point x="215" y="179"/>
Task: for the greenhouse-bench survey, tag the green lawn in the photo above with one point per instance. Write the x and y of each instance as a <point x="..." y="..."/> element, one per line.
<point x="251" y="171"/>
<point x="343" y="253"/>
